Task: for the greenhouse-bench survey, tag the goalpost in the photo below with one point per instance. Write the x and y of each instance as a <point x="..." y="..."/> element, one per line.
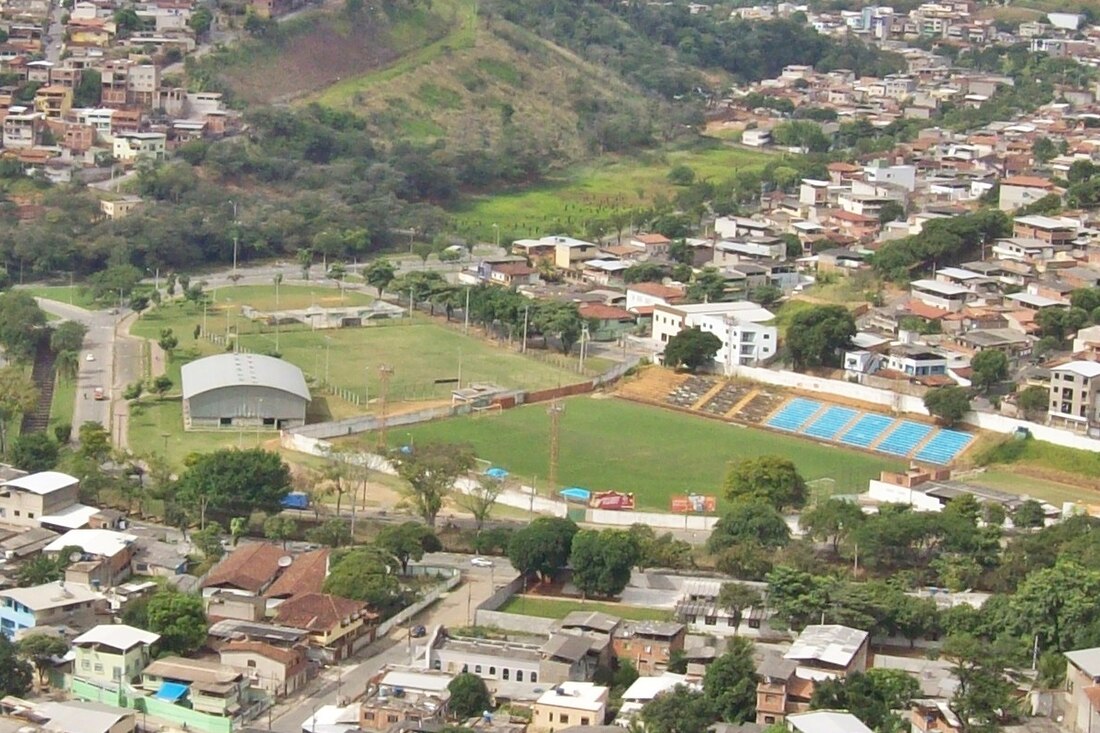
<point x="487" y="410"/>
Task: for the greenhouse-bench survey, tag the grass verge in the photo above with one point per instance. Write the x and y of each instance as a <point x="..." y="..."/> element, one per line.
<point x="526" y="605"/>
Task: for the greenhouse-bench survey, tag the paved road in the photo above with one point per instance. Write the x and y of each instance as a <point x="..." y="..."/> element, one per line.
<point x="100" y="344"/>
<point x="55" y="33"/>
<point x="349" y="681"/>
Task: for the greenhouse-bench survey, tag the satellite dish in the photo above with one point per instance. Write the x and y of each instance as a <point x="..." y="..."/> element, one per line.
<point x="75" y="556"/>
<point x="285" y="561"/>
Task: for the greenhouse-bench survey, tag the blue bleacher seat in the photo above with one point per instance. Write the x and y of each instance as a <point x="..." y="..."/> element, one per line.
<point x="866" y="430"/>
<point x="944" y="446"/>
<point x="830" y="422"/>
<point x="903" y="439"/>
<point x="794" y="413"/>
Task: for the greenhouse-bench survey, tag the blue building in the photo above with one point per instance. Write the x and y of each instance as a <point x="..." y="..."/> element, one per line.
<point x="51" y="604"/>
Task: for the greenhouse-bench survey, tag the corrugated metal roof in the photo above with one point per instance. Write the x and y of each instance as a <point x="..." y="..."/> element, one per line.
<point x="242" y="370"/>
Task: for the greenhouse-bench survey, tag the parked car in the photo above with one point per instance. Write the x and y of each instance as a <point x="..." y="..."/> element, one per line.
<point x="481" y="562"/>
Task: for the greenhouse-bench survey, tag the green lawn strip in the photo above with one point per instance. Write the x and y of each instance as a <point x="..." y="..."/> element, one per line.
<point x="1003" y="478"/>
<point x="609" y="444"/>
<point x="63" y="403"/>
<point x="154" y="420"/>
<point x="75" y="295"/>
<point x="560" y="608"/>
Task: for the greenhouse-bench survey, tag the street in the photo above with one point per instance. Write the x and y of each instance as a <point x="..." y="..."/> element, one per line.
<point x="100" y="372"/>
<point x="349" y="681"/>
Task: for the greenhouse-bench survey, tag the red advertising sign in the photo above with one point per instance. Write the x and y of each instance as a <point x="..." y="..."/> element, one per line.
<point x="694" y="504"/>
<point x="611" y="500"/>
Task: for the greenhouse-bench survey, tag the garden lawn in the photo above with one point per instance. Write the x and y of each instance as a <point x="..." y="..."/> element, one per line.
<point x="63" y="403"/>
<point x="152" y="420"/>
<point x="596" y="190"/>
<point x="611" y="444"/>
<point x="562" y="607"/>
<point x="75" y="295"/>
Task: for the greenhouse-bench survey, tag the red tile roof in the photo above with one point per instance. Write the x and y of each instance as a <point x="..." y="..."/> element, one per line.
<point x="923" y="310"/>
<point x="651" y="239"/>
<point x="250" y="567"/>
<point x="305" y="575"/>
<point x="603" y="312"/>
<point x="656" y="290"/>
<point x="1027" y="182"/>
<point x="843" y="168"/>
<point x="854" y="218"/>
<point x="318" y="612"/>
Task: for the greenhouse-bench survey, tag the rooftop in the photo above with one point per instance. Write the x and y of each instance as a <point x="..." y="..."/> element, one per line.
<point x="1043" y="222"/>
<point x="829" y="643"/>
<point x="590" y="620"/>
<point x="576" y="695"/>
<point x="75" y="716"/>
<point x="1080" y="367"/>
<point x="827" y="721"/>
<point x="566" y="646"/>
<point x="192" y="670"/>
<point x="57" y="594"/>
<point x="101" y="542"/>
<point x="242" y="370"/>
<point x="656" y="290"/>
<point x="236" y="629"/>
<point x="1086" y="660"/>
<point x="43" y="482"/>
<point x="644" y="689"/>
<point x="250" y="567"/>
<point x="306" y="574"/>
<point x="317" y="611"/>
<point x="116" y="636"/>
<point x="1038" y="301"/>
<point x="939" y="288"/>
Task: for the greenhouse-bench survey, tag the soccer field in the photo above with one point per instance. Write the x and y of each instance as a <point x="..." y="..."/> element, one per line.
<point x="610" y="444"/>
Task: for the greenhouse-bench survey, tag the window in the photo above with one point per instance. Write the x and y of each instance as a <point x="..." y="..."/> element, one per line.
<point x="85" y="664"/>
<point x="116" y="673"/>
<point x="729" y="621"/>
<point x="711" y="620"/>
<point x="504" y="673"/>
<point x="584" y="721"/>
<point x="769" y="719"/>
<point x="30" y="515"/>
<point x="477" y="669"/>
<point x="251" y="662"/>
<point x="534" y="676"/>
<point x="368" y="716"/>
<point x="563" y="717"/>
<point x="519" y="675"/>
<point x="492" y="671"/>
<point x="99" y="668"/>
<point x="17" y="512"/>
<point x="391" y="718"/>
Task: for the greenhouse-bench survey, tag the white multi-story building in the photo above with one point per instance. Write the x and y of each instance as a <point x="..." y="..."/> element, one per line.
<point x="742" y="327"/>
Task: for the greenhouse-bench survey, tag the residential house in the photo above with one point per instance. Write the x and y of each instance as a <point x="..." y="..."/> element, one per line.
<point x="829" y="650"/>
<point x="306" y="574"/>
<point x="337" y="626"/>
<point x="405" y="695"/>
<point x="742" y="327"/>
<point x="698" y="607"/>
<point x="1057" y="231"/>
<point x="106" y="556"/>
<point x="276" y="670"/>
<point x="1082" y="709"/>
<point x="930" y="490"/>
<point x="941" y="295"/>
<point x="26" y="499"/>
<point x="22" y="129"/>
<point x="644" y="690"/>
<point x="59" y="604"/>
<point x="649" y="645"/>
<point x="509" y="274"/>
<point x="78" y="716"/>
<point x="572" y="656"/>
<point x="653" y="245"/>
<point x="598" y="628"/>
<point x="569" y="252"/>
<point x="205" y="686"/>
<point x="641" y="297"/>
<point x="603" y="271"/>
<point x="132" y="146"/>
<point x="250" y="569"/>
<point x="570" y="704"/>
<point x="916" y="361"/>
<point x="535" y="249"/>
<point x="825" y="721"/>
<point x="933" y="716"/>
<point x="118" y="208"/>
<point x="54" y="102"/>
<point x="779" y="691"/>
<point x="607" y="322"/>
<point x="1073" y="396"/>
<point x="112" y="653"/>
<point x="230" y="629"/>
<point x="1023" y="249"/>
<point x="1019" y="191"/>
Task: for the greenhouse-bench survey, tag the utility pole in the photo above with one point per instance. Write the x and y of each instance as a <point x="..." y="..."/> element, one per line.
<point x="466" y="315"/>
<point x="278" y="280"/>
<point x="235" y="236"/>
<point x="526" y="310"/>
<point x="384" y="373"/>
<point x="555" y="409"/>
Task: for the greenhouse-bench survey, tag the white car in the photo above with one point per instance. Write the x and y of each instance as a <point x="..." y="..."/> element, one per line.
<point x="481" y="562"/>
<point x="89" y="357"/>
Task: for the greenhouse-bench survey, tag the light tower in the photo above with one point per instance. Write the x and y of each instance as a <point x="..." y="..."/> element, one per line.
<point x="385" y="371"/>
<point x="555" y="410"/>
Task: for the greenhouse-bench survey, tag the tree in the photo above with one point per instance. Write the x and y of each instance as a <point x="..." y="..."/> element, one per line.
<point x="16" y="675"/>
<point x="664" y="551"/>
<point x="179" y="619"/>
<point x="681" y="175"/>
<point x="162" y="384"/>
<point x="168" y="341"/>
<point x="280" y="528"/>
<point x="1029" y="515"/>
<point x="407" y="541"/>
<point x="480" y="499"/>
<point x="735" y="598"/>
<point x="333" y="533"/>
<point x="872" y="696"/>
<point x="817" y="336"/>
<point x="831" y="520"/>
<point x="41" y="650"/>
<point x="691" y="348"/>
<point x="469" y="696"/>
<point x="430" y="470"/>
<point x="543" y="546"/>
<point x="363" y="574"/>
<point x="1032" y="401"/>
<point x="1044" y="150"/>
<point x="90" y="89"/>
<point x="1055" y="606"/>
<point x="34" y="452"/>
<point x="602" y="561"/>
<point x="67" y="336"/>
<point x="989" y="368"/>
<point x="679" y="710"/>
<point x="709" y="286"/>
<point x="379" y="274"/>
<point x="562" y="320"/>
<point x="949" y="404"/>
<point x="773" y="480"/>
<point x="201" y="20"/>
<point x="765" y="295"/>
<point x="95" y="442"/>
<point x="891" y="211"/>
<point x="17" y="396"/>
<point x="21" y="324"/>
<point x="644" y="272"/>
<point x="983" y="697"/>
<point x="235" y="483"/>
<point x="749" y="522"/>
<point x="423" y="250"/>
<point x="209" y="541"/>
<point x="730" y="683"/>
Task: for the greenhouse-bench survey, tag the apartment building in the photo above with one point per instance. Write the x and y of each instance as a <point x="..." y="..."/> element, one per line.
<point x="1073" y="392"/>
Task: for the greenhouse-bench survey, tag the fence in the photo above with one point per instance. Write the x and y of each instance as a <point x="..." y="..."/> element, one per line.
<point x="389" y="624"/>
<point x="366" y="423"/>
<point x="170" y="712"/>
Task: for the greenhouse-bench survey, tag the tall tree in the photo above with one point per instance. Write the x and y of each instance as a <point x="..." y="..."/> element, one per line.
<point x="736" y="598"/>
<point x="67" y="336"/>
<point x="752" y="522"/>
<point x="480" y="499"/>
<point x="817" y="336"/>
<point x="871" y="697"/>
<point x="950" y="404"/>
<point x="469" y="696"/>
<point x="831" y="520"/>
<point x="730" y="683"/>
<point x="984" y="698"/>
<point x="602" y="561"/>
<point x="22" y="323"/>
<point x="179" y="619"/>
<point x="990" y="367"/>
<point x="691" y="348"/>
<point x="407" y="541"/>
<point x="235" y="483"/>
<point x="16" y="675"/>
<point x="773" y="480"/>
<point x="34" y="452"/>
<point x="364" y="574"/>
<point x="17" y="396"/>
<point x="679" y="710"/>
<point x="431" y="470"/>
<point x="41" y="650"/>
<point x="543" y="546"/>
